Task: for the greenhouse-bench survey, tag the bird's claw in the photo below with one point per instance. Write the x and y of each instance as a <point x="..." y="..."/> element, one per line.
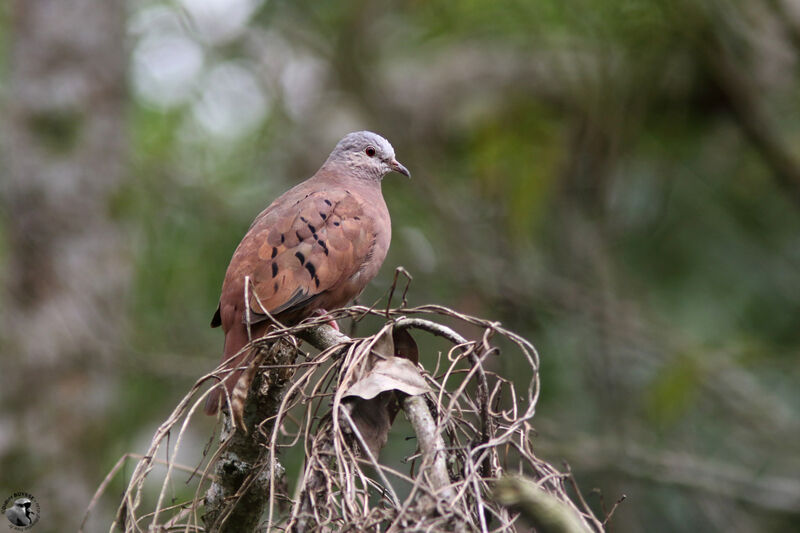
<point x="332" y="323"/>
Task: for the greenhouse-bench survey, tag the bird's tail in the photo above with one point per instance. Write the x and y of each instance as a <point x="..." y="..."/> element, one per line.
<point x="237" y="358"/>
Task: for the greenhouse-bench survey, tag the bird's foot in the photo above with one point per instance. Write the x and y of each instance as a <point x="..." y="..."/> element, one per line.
<point x="331" y="323"/>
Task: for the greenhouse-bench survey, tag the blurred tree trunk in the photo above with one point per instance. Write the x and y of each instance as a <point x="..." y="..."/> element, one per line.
<point x="64" y="150"/>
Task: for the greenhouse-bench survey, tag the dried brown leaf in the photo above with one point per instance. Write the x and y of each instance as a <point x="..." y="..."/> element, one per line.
<point x="405" y="346"/>
<point x="384" y="346"/>
<point x="394" y="373"/>
<point x="374" y="418"/>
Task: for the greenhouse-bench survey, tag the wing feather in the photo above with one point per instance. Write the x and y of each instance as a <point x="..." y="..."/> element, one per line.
<point x="303" y="249"/>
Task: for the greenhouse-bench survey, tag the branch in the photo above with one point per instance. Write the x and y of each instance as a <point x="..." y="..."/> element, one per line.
<point x="746" y="104"/>
<point x="431" y="444"/>
<point x="324" y="337"/>
<point x="430" y="440"/>
<point x="237" y="498"/>
<point x="664" y="467"/>
<point x="439" y="330"/>
<point x="460" y="435"/>
<point x="546" y="512"/>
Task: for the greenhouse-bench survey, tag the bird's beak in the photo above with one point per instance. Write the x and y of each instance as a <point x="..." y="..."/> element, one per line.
<point x="395" y="165"/>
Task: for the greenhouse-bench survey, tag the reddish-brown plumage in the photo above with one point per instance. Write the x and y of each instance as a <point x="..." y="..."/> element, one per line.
<point x="314" y="248"/>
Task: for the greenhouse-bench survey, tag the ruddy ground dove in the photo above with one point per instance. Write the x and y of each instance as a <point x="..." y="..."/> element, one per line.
<point x="313" y="249"/>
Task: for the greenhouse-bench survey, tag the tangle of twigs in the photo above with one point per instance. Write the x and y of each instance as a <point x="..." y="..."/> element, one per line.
<point x="472" y="427"/>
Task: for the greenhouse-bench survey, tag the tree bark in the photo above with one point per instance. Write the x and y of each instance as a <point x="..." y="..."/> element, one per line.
<point x="242" y="473"/>
<point x="66" y="269"/>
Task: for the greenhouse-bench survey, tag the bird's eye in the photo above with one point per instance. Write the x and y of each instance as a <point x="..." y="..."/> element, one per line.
<point x="370" y="151"/>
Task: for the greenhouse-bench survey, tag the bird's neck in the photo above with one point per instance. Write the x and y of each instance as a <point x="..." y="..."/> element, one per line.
<point x="347" y="170"/>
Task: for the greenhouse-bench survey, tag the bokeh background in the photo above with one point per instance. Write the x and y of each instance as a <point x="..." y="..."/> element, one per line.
<point x="617" y="180"/>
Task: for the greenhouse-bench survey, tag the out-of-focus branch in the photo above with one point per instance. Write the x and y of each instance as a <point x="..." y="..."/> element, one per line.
<point x="545" y="511"/>
<point x="746" y="106"/>
<point x="666" y="467"/>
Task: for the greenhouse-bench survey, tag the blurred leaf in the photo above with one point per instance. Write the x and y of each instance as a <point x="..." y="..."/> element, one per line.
<point x="673" y="392"/>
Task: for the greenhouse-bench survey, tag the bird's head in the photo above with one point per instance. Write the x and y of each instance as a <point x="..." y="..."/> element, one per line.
<point x="368" y="155"/>
<point x="23" y="502"/>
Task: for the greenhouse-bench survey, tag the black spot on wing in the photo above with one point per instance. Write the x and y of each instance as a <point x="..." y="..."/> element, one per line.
<point x="274" y="252"/>
<point x="323" y="215"/>
<point x="274" y="269"/>
<point x="301" y="257"/>
<point x="311" y="269"/>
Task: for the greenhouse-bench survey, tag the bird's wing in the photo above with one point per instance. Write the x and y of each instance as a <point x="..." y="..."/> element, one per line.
<point x="297" y="250"/>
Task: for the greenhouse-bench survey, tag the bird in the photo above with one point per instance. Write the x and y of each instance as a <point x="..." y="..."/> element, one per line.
<point x="20" y="513"/>
<point x="312" y="250"/>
